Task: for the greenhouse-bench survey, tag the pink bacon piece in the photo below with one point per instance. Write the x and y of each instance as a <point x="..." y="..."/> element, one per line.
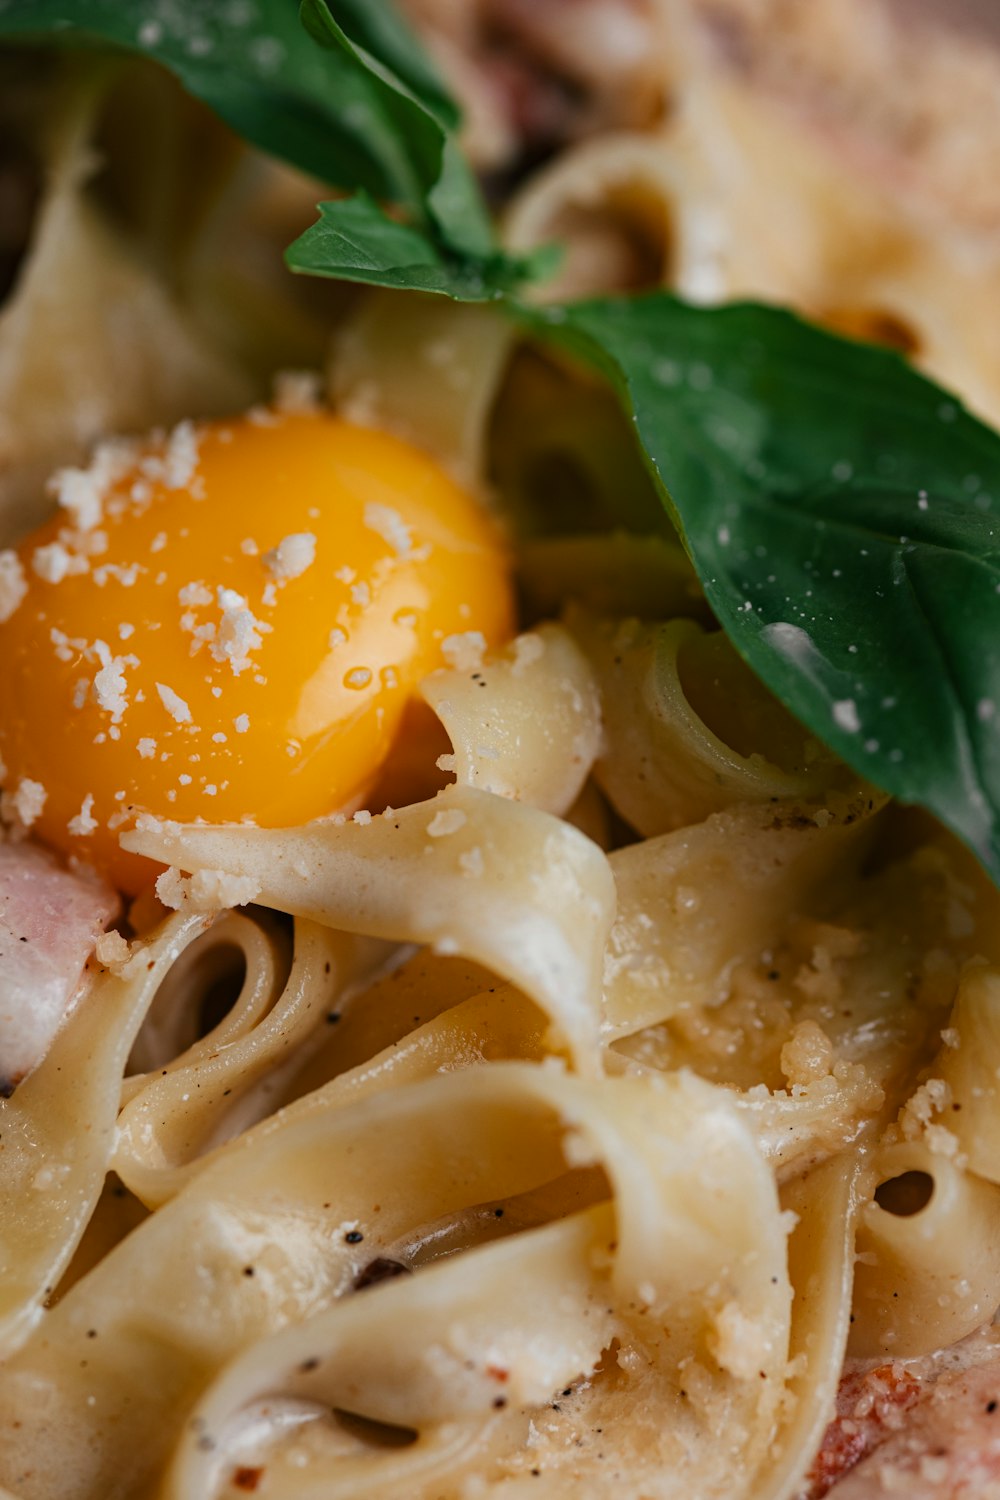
<point x="929" y="1429"/>
<point x="50" y="919"/>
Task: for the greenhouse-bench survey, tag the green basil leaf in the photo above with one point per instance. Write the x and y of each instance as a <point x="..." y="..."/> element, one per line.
<point x="843" y="514"/>
<point x="430" y="178"/>
<point x="355" y="240"/>
<point x="254" y="64"/>
<point x="363" y="109"/>
<point x="378" y="29"/>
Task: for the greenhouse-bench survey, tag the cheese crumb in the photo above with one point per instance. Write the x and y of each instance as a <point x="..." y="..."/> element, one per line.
<point x="238" y="634"/>
<point x="13" y="584"/>
<point x="208" y="890"/>
<point x="146" y="747"/>
<point x="51" y="563"/>
<point x="297" y="391"/>
<point x="113" y="951"/>
<point x="174" y="704"/>
<point x="528" y="649"/>
<point x="181" y="458"/>
<point x="292" y="556"/>
<point x="84" y="822"/>
<point x="241" y="723"/>
<point x="737" y="1341"/>
<point x="193" y="594"/>
<point x="448" y="821"/>
<point x="390" y="526"/>
<point x="363" y="817"/>
<point x="464" y="652"/>
<point x="109" y="681"/>
<point x="22" y="807"/>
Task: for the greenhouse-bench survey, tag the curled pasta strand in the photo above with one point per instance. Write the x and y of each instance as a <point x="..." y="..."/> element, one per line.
<point x="626" y="205"/>
<point x="425" y="372"/>
<point x="423" y="1352"/>
<point x="664" y="766"/>
<point x="279" y="1232"/>
<point x="58" y="1141"/>
<point x="524" y="724"/>
<point x="821" y="1269"/>
<point x="511" y="887"/>
<point x="928" y="1268"/>
<point x="238" y="1071"/>
<point x="969" y="1064"/>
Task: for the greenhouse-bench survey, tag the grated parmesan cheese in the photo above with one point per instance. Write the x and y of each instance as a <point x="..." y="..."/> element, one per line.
<point x="13" y="584"/>
<point x="291" y="557"/>
<point x="180" y="463"/>
<point x="113" y="951"/>
<point x="208" y="890"/>
<point x="297" y="392"/>
<point x="174" y="704"/>
<point x="84" y="822"/>
<point x="390" y="526"/>
<point x="448" y="821"/>
<point x="464" y="652"/>
<point x="22" y="807"/>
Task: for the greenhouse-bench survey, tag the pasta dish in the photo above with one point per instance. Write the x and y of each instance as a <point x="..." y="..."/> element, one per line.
<point x="472" y="1022"/>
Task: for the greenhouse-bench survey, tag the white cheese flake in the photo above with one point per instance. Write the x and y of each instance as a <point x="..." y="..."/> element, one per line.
<point x="207" y="890"/>
<point x="845" y="715"/>
<point x="291" y="557"/>
<point x="51" y="563"/>
<point x="448" y="821"/>
<point x="84" y="822"/>
<point x="194" y="594"/>
<point x="464" y="652"/>
<point x="23" y="807"/>
<point x="390" y="526"/>
<point x="180" y="462"/>
<point x="13" y="584"/>
<point x="174" y="704"/>
<point x="297" y="392"/>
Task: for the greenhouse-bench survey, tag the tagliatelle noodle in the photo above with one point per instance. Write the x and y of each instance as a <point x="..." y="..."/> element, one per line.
<point x="267" y="1210"/>
<point x="173" y="1114"/>
<point x="665" y="766"/>
<point x="58" y="1141"/>
<point x="396" y="365"/>
<point x="468" y="872"/>
<point x="775" y="856"/>
<point x="502" y="743"/>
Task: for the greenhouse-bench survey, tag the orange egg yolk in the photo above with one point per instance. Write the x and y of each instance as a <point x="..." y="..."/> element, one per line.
<point x="237" y="636"/>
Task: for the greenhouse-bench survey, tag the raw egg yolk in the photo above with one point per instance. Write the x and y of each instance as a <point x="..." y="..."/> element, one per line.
<point x="235" y="632"/>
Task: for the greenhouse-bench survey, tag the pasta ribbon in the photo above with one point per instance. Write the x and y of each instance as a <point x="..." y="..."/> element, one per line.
<point x="525" y="724"/>
<point x="469" y="873"/>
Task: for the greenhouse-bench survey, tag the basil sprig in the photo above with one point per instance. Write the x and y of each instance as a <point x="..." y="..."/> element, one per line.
<point x="838" y="507"/>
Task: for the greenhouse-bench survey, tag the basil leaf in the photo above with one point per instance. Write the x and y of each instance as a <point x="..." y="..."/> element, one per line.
<point x="843" y="514"/>
<point x="378" y="29"/>
<point x="254" y="64"/>
<point x="429" y="176"/>
<point x="355" y="240"/>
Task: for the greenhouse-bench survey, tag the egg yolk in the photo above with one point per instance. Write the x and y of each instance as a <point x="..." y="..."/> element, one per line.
<point x="238" y="632"/>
